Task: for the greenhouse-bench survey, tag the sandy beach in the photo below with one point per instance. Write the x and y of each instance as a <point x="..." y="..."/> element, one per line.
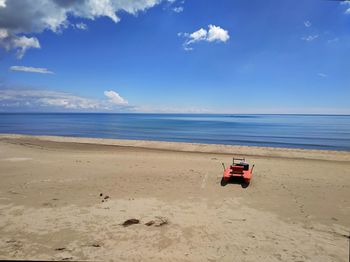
<point x="67" y="199"/>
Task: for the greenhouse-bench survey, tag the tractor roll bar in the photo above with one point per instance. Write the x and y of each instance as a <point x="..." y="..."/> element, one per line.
<point x="241" y="159"/>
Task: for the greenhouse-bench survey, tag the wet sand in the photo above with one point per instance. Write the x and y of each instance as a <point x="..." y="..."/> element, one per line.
<point x="297" y="207"/>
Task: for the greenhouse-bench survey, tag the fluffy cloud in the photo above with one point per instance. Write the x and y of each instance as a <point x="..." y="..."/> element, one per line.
<point x="30" y="69"/>
<point x="20" y="17"/>
<point x="115" y="98"/>
<point x="41" y="100"/>
<point x="199" y="35"/>
<point x="10" y="41"/>
<point x="214" y="33"/>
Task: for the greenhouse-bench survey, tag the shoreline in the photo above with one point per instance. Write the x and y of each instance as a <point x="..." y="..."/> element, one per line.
<point x="255" y="151"/>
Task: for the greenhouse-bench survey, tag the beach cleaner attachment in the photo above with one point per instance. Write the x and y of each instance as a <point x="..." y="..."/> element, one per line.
<point x="238" y="172"/>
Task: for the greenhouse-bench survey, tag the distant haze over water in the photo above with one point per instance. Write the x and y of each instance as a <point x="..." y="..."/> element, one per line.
<point x="330" y="132"/>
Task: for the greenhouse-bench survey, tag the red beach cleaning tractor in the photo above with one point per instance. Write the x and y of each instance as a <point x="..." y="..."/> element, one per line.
<point x="238" y="172"/>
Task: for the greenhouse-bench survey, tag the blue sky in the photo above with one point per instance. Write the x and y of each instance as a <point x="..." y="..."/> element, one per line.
<point x="196" y="56"/>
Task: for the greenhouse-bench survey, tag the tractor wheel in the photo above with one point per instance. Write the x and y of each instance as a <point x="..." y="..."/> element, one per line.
<point x="223" y="182"/>
<point x="245" y="184"/>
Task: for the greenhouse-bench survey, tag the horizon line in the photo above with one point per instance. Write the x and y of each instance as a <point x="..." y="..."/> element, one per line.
<point x="172" y="113"/>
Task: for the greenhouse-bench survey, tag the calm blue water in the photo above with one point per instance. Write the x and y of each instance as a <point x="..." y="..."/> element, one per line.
<point x="295" y="131"/>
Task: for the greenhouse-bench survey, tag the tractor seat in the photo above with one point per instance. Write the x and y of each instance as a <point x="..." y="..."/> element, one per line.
<point x="237" y="169"/>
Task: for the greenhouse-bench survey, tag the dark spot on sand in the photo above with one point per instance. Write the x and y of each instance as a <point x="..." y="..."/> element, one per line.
<point x="150" y="223"/>
<point x="158" y="222"/>
<point x="106" y="197"/>
<point x="130" y="222"/>
<point x="60" y="248"/>
<point x="96" y="245"/>
<point x="101" y="194"/>
<point x="11" y="241"/>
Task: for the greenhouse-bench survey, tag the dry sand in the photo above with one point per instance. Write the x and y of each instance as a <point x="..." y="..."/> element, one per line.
<point x="297" y="207"/>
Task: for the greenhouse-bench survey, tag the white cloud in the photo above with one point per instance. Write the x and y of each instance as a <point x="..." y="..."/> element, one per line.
<point x="178" y="9"/>
<point x="20" y="43"/>
<point x="70" y="102"/>
<point x="39" y="100"/>
<point x="215" y="33"/>
<point x="346" y="3"/>
<point x="199" y="35"/>
<point x="307" y="23"/>
<point x="24" y="98"/>
<point x="30" y="69"/>
<point x="309" y="38"/>
<point x="115" y="98"/>
<point x="322" y="75"/>
<point x="21" y="17"/>
<point x="81" y="26"/>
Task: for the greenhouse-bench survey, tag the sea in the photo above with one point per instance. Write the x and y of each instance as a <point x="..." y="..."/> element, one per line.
<point x="330" y="132"/>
